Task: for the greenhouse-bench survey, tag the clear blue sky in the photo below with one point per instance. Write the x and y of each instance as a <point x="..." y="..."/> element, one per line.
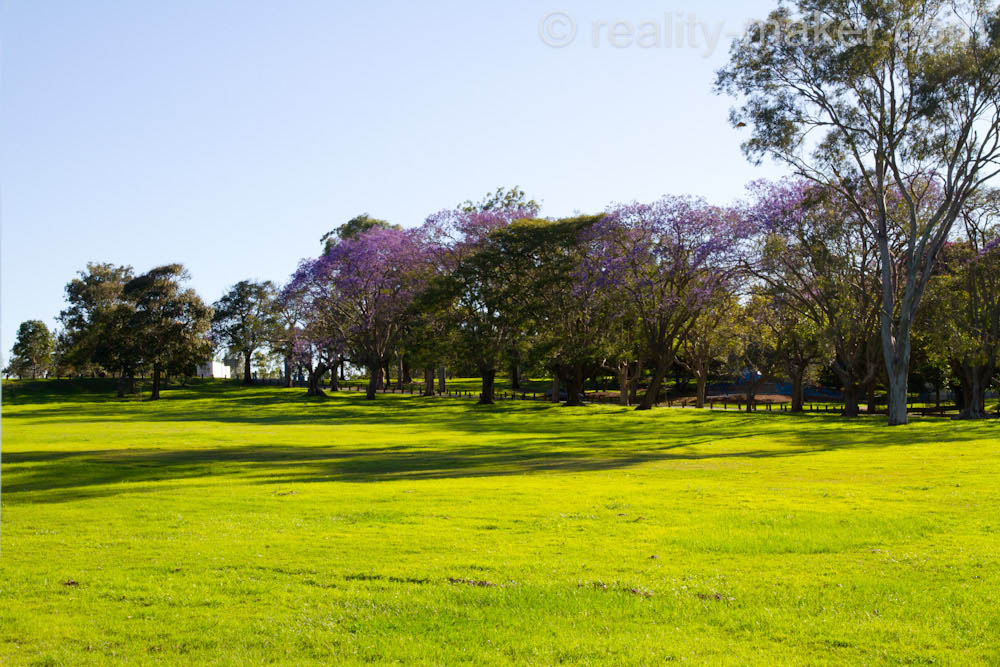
<point x="230" y="136"/>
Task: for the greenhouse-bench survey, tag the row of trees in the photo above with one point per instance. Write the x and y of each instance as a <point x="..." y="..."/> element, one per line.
<point x="785" y="285"/>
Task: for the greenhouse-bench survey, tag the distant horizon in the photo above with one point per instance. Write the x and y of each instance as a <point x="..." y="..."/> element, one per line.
<point x="247" y="133"/>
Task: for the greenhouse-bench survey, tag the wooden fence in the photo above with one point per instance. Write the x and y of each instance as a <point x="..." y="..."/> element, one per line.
<point x="711" y="403"/>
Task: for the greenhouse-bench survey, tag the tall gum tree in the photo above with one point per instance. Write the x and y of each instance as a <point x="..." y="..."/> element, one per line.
<point x="244" y="319"/>
<point x="872" y="99"/>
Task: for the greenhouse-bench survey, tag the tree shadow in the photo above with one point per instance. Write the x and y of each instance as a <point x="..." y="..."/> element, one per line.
<point x="511" y="438"/>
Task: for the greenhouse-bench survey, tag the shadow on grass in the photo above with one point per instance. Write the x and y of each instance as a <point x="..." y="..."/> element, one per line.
<point x="522" y="438"/>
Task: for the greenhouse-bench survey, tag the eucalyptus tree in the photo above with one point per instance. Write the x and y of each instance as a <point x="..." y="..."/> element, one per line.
<point x="32" y="351"/>
<point x="170" y="322"/>
<point x="353" y="228"/>
<point x="88" y="340"/>
<point x="877" y="101"/>
<point x="244" y="319"/>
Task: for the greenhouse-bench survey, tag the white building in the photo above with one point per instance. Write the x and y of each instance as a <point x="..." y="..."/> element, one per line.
<point x="214" y="369"/>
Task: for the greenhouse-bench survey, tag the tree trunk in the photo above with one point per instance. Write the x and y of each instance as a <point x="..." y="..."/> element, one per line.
<point x="702" y="377"/>
<point x="247" y="377"/>
<point x="315" y="379"/>
<point x="407" y="373"/>
<point x="633" y="390"/>
<point x="442" y="382"/>
<point x="575" y="386"/>
<point x="515" y="375"/>
<point x="897" y="394"/>
<point x="851" y="400"/>
<point x="798" y="392"/>
<point x="649" y="400"/>
<point x="288" y="373"/>
<point x="154" y="395"/>
<point x="374" y="377"/>
<point x="974" y="382"/>
<point x="126" y="384"/>
<point x="623" y="383"/>
<point x="428" y="380"/>
<point x="399" y="372"/>
<point x="486" y="397"/>
<point x="896" y="353"/>
<point x="751" y="394"/>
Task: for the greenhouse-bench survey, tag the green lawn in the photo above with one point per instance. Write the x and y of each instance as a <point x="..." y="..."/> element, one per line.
<point x="234" y="526"/>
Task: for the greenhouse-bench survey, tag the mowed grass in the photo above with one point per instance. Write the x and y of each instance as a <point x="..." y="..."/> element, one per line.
<point x="247" y="526"/>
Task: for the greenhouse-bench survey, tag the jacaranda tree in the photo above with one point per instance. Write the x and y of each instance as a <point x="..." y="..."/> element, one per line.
<point x="667" y="261"/>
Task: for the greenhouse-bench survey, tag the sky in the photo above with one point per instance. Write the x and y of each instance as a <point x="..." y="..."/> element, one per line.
<point x="230" y="136"/>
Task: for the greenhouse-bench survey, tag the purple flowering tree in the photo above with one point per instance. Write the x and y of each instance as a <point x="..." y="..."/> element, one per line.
<point x="313" y="340"/>
<point x="666" y="261"/>
<point x="810" y="253"/>
<point x="361" y="292"/>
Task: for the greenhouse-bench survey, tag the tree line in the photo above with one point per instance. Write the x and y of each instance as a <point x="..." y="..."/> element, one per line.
<point x="874" y="265"/>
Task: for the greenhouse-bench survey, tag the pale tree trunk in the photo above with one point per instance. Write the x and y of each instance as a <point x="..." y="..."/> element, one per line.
<point x="288" y="373"/>
<point x="442" y="381"/>
<point x="897" y="394"/>
<point x="896" y="335"/>
<point x="623" y="383"/>
<point x="633" y="390"/>
<point x="555" y="387"/>
<point x="701" y="377"/>
<point x="428" y="380"/>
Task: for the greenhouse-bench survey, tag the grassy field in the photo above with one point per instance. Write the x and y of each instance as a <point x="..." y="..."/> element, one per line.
<point x="234" y="526"/>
